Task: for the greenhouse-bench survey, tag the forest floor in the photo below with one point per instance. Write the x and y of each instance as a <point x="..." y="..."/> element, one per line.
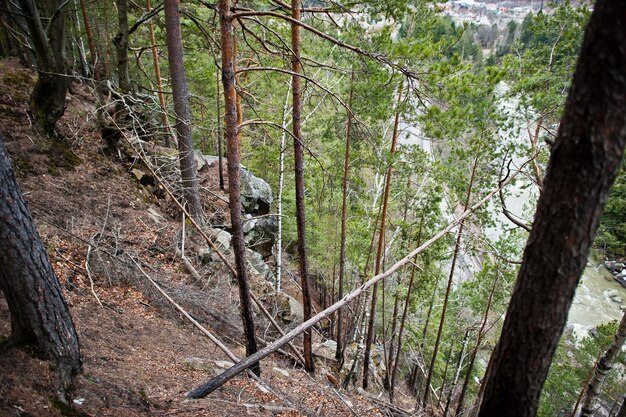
<point x="140" y="356"/>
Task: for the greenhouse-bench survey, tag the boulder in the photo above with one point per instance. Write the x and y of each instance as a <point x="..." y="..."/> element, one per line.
<point x="256" y="194"/>
<point x="258" y="265"/>
<point x="621" y="278"/>
<point x="261" y="234"/>
<point x="221" y="238"/>
<point x="613" y="267"/>
<point x="201" y="162"/>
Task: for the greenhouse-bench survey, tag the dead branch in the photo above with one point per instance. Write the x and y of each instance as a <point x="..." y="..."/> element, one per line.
<point x="207" y="333"/>
<point x="225" y="376"/>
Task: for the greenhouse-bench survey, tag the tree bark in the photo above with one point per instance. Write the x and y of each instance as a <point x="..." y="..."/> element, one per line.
<point x="47" y="102"/>
<point x="188" y="170"/>
<point x="39" y="313"/>
<point x="298" y="148"/>
<point x="234" y="190"/>
<point x="602" y="368"/>
<point x="121" y="46"/>
<point x="583" y="166"/>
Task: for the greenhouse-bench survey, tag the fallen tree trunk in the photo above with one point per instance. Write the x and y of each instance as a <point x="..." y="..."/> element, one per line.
<point x="225" y="376"/>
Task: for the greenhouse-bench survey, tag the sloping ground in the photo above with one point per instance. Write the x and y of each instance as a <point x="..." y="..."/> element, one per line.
<point x="140" y="356"/>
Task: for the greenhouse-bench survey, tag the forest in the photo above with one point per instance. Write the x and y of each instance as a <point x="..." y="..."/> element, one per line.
<point x="321" y="207"/>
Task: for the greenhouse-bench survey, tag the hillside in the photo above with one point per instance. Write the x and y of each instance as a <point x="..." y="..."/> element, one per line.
<point x="140" y="355"/>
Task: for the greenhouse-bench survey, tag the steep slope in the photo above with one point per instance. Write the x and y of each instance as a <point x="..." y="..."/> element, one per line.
<point x="140" y="355"/>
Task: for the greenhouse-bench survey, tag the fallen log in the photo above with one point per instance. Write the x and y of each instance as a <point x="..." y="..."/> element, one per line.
<point x="244" y="364"/>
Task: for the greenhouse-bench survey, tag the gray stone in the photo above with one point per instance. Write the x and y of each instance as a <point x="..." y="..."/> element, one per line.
<point x="621" y="278"/>
<point x="616" y="299"/>
<point x="201" y="162"/>
<point x="261" y="234"/>
<point x="221" y="238"/>
<point x="258" y="265"/>
<point x="613" y="267"/>
<point x="256" y="194"/>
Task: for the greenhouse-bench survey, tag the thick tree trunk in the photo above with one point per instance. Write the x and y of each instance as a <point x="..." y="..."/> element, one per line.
<point x="380" y="248"/>
<point x="583" y="165"/>
<point x="47" y="102"/>
<point x="188" y="170"/>
<point x="298" y="147"/>
<point x="234" y="192"/>
<point x="121" y="46"/>
<point x="602" y="368"/>
<point x="39" y="313"/>
<point x="457" y="247"/>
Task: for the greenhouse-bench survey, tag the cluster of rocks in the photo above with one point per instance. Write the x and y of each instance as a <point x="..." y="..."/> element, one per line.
<point x="618" y="270"/>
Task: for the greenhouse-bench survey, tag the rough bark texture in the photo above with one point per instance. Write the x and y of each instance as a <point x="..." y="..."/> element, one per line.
<point x="47" y="102"/>
<point x="121" y="45"/>
<point x="39" y="313"/>
<point x="298" y="149"/>
<point x="180" y="94"/>
<point x="234" y="192"/>
<point x="602" y="368"/>
<point x="582" y="168"/>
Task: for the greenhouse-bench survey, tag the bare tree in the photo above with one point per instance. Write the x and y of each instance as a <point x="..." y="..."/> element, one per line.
<point x="583" y="166"/>
<point x="234" y="193"/>
<point x="298" y="149"/>
<point x="188" y="170"/>
<point x="39" y="313"/>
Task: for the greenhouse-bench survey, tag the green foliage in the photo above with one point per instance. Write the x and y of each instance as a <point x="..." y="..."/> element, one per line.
<point x="612" y="232"/>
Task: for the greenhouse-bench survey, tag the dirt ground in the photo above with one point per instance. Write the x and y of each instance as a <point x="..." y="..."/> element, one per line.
<point x="140" y="355"/>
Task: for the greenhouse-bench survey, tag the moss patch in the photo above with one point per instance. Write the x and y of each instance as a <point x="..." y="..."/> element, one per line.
<point x="61" y="157"/>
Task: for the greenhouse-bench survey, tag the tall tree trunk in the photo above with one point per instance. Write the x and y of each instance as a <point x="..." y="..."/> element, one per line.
<point x="405" y="312"/>
<point x="47" y="102"/>
<point x="602" y="368"/>
<point x="479" y="340"/>
<point x="80" y="45"/>
<point x="583" y="166"/>
<point x="234" y="193"/>
<point x="281" y="186"/>
<point x="344" y="212"/>
<point x="457" y="374"/>
<point x="457" y="247"/>
<point x="298" y="147"/>
<point x="220" y="165"/>
<point x="188" y="170"/>
<point x="121" y="46"/>
<point x="167" y="136"/>
<point x="381" y="247"/>
<point x="39" y="313"/>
